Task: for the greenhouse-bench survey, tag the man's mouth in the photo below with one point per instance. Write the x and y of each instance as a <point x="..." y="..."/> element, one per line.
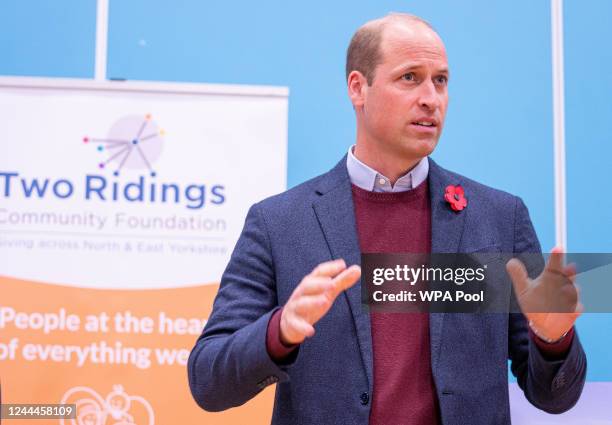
<point x="425" y="126"/>
<point x="424" y="123"/>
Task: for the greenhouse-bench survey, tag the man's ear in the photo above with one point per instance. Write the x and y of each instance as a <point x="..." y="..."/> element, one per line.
<point x="357" y="88"/>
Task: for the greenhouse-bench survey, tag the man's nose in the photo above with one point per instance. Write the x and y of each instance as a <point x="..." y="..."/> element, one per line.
<point x="428" y="96"/>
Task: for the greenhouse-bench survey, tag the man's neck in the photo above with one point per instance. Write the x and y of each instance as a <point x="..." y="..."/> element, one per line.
<point x="391" y="167"/>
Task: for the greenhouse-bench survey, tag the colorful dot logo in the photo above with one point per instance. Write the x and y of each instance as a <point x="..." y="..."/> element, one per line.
<point x="133" y="142"/>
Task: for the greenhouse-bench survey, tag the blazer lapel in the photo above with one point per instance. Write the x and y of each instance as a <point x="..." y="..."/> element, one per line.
<point x="336" y="215"/>
<point x="446" y="230"/>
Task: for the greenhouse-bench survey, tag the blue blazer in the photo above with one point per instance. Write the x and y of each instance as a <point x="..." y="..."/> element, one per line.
<point x="328" y="380"/>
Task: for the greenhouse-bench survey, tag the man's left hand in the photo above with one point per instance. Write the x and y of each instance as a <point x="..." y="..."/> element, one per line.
<point x="550" y="302"/>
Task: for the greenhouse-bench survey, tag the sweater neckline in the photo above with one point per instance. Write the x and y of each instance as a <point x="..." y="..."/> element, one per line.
<point x="391" y="197"/>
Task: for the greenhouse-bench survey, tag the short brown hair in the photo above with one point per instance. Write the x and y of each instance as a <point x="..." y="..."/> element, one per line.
<point x="363" y="53"/>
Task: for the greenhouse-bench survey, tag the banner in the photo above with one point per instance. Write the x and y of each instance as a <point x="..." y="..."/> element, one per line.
<point x="120" y="203"/>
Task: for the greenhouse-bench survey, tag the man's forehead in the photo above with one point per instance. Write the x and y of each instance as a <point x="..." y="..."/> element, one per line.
<point x="412" y="38"/>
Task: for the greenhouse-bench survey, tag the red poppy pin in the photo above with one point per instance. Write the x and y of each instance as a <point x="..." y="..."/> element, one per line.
<point x="455" y="196"/>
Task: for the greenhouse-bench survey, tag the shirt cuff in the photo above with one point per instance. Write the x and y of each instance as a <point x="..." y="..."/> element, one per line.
<point x="556" y="350"/>
<point x="276" y="349"/>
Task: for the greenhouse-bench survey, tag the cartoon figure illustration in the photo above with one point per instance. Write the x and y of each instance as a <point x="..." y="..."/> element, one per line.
<point x="118" y="405"/>
<point x="116" y="409"/>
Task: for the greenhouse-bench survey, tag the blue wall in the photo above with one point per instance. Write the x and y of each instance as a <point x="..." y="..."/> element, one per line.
<point x="588" y="76"/>
<point x="48" y="38"/>
<point x="499" y="125"/>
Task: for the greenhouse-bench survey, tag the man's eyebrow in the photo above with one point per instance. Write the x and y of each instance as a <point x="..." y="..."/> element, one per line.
<point x="413" y="67"/>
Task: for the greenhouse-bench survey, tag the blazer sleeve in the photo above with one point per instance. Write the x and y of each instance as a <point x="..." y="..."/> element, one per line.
<point x="551" y="385"/>
<point x="229" y="363"/>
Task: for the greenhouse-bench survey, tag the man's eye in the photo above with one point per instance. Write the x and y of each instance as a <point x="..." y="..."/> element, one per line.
<point x="409" y="76"/>
<point x="442" y="79"/>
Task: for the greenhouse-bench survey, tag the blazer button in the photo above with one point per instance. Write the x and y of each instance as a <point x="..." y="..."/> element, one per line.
<point x="365" y="398"/>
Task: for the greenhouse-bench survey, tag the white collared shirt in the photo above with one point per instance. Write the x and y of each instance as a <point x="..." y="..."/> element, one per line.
<point x="369" y="179"/>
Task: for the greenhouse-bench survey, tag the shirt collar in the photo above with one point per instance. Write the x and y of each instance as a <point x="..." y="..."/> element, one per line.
<point x="369" y="179"/>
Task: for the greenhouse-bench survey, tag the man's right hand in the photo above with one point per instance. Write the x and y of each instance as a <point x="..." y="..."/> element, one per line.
<point x="313" y="298"/>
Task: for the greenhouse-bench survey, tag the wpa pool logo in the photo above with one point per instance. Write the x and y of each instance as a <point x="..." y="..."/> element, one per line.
<point x="133" y="142"/>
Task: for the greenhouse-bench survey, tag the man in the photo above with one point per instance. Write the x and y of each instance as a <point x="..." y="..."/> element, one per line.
<point x="289" y="311"/>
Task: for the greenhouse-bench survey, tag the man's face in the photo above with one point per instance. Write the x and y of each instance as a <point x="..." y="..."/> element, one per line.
<point x="404" y="108"/>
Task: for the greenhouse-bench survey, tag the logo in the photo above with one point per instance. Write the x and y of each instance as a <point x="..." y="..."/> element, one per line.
<point x="117" y="408"/>
<point x="133" y="142"/>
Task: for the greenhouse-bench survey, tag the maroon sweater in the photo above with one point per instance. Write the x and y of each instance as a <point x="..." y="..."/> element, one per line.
<point x="404" y="390"/>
